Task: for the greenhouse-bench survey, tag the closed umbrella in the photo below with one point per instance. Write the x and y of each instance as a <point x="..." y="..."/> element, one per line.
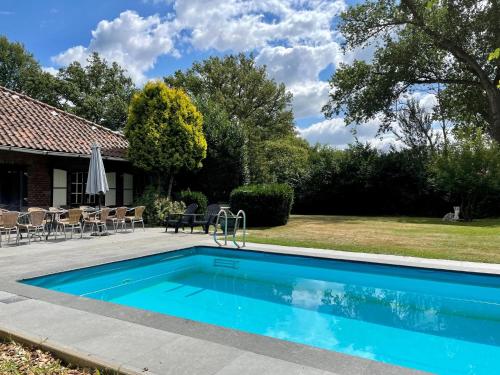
<point x="97" y="183"/>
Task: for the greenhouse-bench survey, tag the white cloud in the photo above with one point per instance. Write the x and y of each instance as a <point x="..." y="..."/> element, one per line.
<point x="335" y="133"/>
<point x="299" y="68"/>
<point x="50" y="70"/>
<point x="78" y="53"/>
<point x="427" y="101"/>
<point x="247" y="25"/>
<point x="133" y="41"/>
<point x="309" y="97"/>
<point x="294" y="38"/>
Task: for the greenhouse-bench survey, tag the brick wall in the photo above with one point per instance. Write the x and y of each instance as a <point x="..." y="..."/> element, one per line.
<point x="39" y="183"/>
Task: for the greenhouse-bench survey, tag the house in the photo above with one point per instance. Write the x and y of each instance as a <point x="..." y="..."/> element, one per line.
<point x="45" y="153"/>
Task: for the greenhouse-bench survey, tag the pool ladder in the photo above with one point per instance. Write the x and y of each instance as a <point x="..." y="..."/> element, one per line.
<point x="230" y="222"/>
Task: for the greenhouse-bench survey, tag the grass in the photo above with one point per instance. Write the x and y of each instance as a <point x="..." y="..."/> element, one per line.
<point x="17" y="359"/>
<point x="477" y="241"/>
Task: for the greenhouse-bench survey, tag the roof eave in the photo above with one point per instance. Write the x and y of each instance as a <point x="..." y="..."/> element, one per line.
<point x="56" y="153"/>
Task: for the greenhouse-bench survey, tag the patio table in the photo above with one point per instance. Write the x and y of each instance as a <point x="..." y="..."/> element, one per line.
<point x="53" y="214"/>
<point x="52" y="222"/>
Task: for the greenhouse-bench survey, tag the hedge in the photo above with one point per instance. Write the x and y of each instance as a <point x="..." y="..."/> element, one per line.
<point x="188" y="197"/>
<point x="264" y="204"/>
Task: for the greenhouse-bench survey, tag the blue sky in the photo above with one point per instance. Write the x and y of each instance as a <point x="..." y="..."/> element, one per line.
<point x="296" y="40"/>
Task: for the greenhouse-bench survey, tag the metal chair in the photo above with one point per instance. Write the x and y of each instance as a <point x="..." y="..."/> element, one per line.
<point x="1" y="224"/>
<point x="31" y="209"/>
<point x="36" y="223"/>
<point x="118" y="218"/>
<point x="97" y="222"/>
<point x="72" y="221"/>
<point x="9" y="224"/>
<point x="136" y="218"/>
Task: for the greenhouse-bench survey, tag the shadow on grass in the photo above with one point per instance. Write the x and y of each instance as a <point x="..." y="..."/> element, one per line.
<point x="331" y="219"/>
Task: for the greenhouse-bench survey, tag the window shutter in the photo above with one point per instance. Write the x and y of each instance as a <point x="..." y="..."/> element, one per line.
<point x="110" y="197"/>
<point x="59" y="188"/>
<point x="128" y="189"/>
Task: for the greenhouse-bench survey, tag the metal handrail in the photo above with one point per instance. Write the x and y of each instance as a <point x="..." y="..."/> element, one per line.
<point x="222" y="211"/>
<point x="240" y="216"/>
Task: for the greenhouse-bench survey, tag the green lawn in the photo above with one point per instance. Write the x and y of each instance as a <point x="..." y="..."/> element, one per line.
<point x="422" y="237"/>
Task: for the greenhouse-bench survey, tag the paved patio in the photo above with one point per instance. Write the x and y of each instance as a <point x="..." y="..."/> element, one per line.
<point x="141" y="342"/>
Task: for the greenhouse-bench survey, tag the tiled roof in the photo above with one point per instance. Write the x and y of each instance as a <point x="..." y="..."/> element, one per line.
<point x="28" y="124"/>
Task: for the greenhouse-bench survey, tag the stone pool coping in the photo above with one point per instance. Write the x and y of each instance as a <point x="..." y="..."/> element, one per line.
<point x="133" y="340"/>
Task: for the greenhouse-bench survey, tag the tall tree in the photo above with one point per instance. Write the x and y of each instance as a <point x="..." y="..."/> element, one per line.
<point x="285" y="160"/>
<point x="165" y="131"/>
<point x="226" y="165"/>
<point x="245" y="92"/>
<point x="19" y="71"/>
<point x="418" y="44"/>
<point x="468" y="170"/>
<point x="99" y="91"/>
<point x="415" y="127"/>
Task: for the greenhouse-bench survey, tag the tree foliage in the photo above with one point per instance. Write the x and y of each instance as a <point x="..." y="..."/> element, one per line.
<point x="362" y="180"/>
<point x="196" y="197"/>
<point x="19" y="71"/>
<point x="419" y="44"/>
<point x="245" y="93"/>
<point x="226" y="164"/>
<point x="415" y="128"/>
<point x="165" y="131"/>
<point x="285" y="161"/>
<point x="468" y="170"/>
<point x="99" y="91"/>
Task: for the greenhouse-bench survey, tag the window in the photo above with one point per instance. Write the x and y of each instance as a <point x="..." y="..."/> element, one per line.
<point x="128" y="188"/>
<point x="110" y="197"/>
<point x="59" y="188"/>
<point x="78" y="184"/>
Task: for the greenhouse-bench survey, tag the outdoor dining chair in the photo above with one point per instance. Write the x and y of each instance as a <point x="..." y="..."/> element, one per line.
<point x="31" y="209"/>
<point x="9" y="225"/>
<point x="206" y="219"/>
<point x="181" y="219"/>
<point x="35" y="225"/>
<point x="118" y="218"/>
<point x="136" y="218"/>
<point x="72" y="221"/>
<point x="98" y="221"/>
<point x="1" y="224"/>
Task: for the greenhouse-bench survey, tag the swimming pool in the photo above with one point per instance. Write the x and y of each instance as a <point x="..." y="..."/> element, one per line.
<point x="438" y="321"/>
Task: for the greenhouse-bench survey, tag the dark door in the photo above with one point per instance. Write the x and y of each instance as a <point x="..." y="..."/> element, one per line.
<point x="13" y="191"/>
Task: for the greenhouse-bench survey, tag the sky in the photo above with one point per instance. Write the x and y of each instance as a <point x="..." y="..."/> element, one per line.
<point x="296" y="39"/>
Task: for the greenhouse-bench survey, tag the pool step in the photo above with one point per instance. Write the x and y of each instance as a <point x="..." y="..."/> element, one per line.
<point x="226" y="263"/>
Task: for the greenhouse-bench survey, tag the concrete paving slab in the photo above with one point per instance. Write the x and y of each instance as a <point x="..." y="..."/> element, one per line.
<point x="254" y="364"/>
<point x="56" y="322"/>
<point x="187" y="356"/>
<point x="126" y="342"/>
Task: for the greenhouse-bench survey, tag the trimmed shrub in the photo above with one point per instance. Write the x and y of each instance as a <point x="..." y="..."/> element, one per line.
<point x="158" y="206"/>
<point x="264" y="204"/>
<point x="188" y="197"/>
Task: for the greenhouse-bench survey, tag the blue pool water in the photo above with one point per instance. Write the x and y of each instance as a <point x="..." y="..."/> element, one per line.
<point x="443" y="322"/>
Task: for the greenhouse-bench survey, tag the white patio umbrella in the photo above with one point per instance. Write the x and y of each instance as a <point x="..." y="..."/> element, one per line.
<point x="97" y="183"/>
